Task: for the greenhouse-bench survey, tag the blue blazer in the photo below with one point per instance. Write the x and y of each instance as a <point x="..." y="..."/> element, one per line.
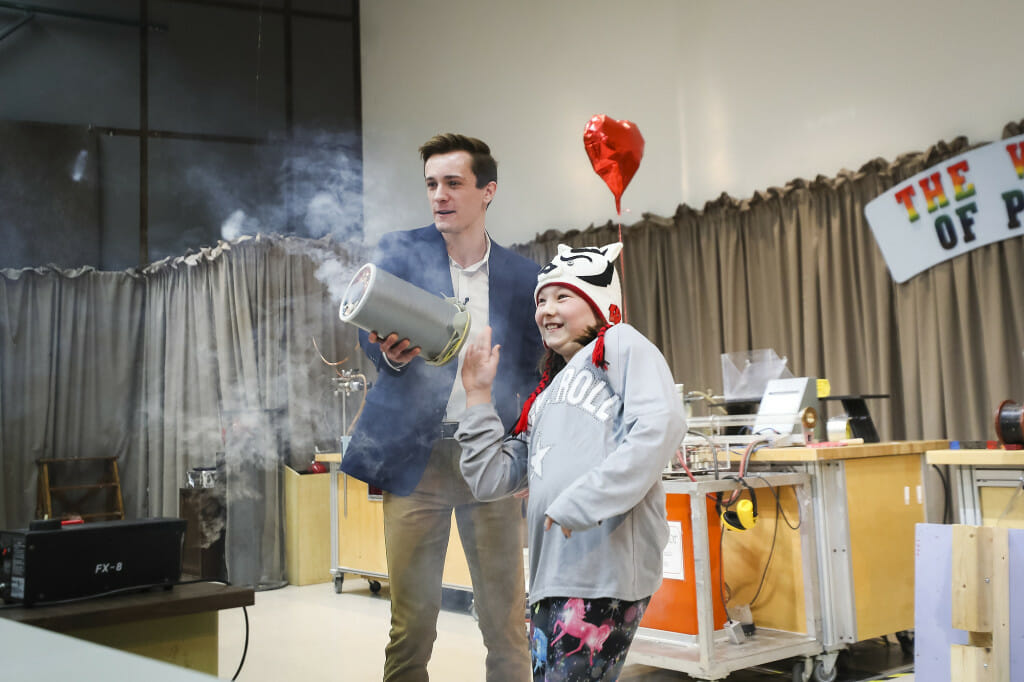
<point x="404" y="410"/>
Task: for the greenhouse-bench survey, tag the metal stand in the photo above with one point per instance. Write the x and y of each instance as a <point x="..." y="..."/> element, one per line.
<point x="345" y="384"/>
<point x="711" y="655"/>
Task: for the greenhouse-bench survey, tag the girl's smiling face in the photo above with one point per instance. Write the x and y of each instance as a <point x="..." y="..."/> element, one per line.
<point x="562" y="316"/>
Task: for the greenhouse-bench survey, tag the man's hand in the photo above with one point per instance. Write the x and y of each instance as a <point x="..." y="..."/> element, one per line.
<point x="479" y="367"/>
<point x="548" y="521"/>
<point x="397" y="350"/>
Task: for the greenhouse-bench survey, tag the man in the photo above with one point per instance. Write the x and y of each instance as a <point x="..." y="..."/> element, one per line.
<point x="404" y="440"/>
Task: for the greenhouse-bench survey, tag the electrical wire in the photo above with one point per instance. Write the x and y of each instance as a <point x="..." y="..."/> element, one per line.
<point x="714" y="448"/>
<point x="947" y="510"/>
<point x="682" y="462"/>
<point x="326" y="361"/>
<point x="245" y="647"/>
<point x="779" y="512"/>
<point x="751" y="448"/>
<point x="778" y="505"/>
<point x="721" y="575"/>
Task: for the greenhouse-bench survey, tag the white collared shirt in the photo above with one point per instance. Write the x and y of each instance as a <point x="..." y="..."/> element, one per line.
<point x="472" y="289"/>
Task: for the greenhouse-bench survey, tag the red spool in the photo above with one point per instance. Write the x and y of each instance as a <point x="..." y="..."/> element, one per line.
<point x="1010" y="423"/>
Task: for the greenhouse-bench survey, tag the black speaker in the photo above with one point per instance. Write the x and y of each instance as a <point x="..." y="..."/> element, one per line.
<point x="53" y="563"/>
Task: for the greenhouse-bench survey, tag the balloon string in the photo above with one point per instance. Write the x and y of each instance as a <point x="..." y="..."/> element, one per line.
<point x="622" y="266"/>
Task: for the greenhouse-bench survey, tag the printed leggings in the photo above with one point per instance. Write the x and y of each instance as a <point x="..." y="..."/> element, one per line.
<point x="584" y="640"/>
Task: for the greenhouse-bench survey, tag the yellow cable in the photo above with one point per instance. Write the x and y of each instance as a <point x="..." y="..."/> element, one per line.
<point x="451" y="349"/>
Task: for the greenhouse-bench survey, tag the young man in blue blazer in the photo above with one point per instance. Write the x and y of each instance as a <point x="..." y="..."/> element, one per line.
<point x="404" y="440"/>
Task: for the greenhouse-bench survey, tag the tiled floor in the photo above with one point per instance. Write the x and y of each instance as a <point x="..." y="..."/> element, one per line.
<point x="312" y="634"/>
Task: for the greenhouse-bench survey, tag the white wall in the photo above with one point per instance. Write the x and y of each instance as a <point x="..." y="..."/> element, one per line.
<point x="730" y="95"/>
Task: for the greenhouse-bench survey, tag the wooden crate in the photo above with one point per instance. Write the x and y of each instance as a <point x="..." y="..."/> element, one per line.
<point x="307" y="527"/>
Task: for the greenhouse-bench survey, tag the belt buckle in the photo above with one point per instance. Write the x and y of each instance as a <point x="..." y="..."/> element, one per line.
<point x="448" y="430"/>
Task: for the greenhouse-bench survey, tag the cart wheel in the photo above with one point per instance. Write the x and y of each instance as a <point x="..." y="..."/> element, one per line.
<point x="374" y="586"/>
<point x="798" y="672"/>
<point x="906" y="640"/>
<point x="338" y="582"/>
<point x="822" y="675"/>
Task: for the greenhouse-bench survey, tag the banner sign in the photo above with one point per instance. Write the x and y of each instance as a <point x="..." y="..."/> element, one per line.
<point x="965" y="202"/>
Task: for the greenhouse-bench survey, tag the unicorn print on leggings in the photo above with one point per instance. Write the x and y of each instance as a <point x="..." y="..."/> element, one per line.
<point x="572" y="623"/>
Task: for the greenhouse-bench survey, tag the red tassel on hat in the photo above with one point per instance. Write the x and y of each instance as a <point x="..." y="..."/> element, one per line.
<point x="524" y="416"/>
<point x="598" y="354"/>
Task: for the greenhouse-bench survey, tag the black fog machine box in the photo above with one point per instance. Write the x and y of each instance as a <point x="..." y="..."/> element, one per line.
<point x="48" y="562"/>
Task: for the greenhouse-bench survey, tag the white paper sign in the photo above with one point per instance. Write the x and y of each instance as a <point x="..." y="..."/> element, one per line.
<point x="968" y="201"/>
<point x="672" y="559"/>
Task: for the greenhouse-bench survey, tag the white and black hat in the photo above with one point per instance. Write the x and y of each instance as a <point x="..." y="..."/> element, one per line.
<point x="590" y="272"/>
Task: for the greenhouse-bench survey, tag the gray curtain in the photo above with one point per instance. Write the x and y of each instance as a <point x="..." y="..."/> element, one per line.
<point x="69" y="353"/>
<point x="797" y="269"/>
<point x="195" y="361"/>
<point x="230" y="368"/>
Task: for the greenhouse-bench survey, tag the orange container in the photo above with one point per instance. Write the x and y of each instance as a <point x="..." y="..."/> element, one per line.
<point x="674" y="606"/>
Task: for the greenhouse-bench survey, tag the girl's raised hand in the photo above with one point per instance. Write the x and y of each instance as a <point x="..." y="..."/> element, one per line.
<point x="479" y="367"/>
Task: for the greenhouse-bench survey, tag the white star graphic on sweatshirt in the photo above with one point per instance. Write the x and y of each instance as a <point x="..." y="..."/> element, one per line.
<point x="537" y="461"/>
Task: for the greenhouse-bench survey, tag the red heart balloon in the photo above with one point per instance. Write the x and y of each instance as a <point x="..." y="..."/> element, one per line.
<point x="615" y="149"/>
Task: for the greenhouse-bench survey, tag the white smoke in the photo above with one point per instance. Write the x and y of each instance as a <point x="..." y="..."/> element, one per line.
<point x="78" y="171"/>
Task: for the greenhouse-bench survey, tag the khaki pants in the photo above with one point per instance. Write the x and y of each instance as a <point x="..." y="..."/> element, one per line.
<point x="416" y="531"/>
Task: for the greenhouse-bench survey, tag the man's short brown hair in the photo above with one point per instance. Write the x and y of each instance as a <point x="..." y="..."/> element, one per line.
<point x="483" y="165"/>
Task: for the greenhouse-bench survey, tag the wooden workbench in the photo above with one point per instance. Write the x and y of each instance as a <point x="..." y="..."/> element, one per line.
<point x="847" y="452"/>
<point x="866" y="500"/>
<point x="986" y="484"/>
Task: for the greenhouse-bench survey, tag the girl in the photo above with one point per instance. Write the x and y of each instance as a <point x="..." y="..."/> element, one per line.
<point x="591" y="443"/>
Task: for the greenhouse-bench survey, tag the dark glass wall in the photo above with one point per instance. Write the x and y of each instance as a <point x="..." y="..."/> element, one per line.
<point x="135" y="131"/>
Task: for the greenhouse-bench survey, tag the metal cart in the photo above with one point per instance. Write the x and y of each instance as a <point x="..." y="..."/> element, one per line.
<point x="711" y="655"/>
<point x="338" y="571"/>
<point x="364" y="554"/>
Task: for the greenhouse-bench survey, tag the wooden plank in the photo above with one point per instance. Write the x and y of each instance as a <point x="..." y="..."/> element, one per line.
<point x="328" y="457"/>
<point x="187" y="641"/>
<point x="887" y="449"/>
<point x="1000" y="655"/>
<point x="969" y="664"/>
<point x="981" y="603"/>
<point x="994" y="458"/>
<point x="972" y="588"/>
<point x="124" y="608"/>
<point x="884" y="501"/>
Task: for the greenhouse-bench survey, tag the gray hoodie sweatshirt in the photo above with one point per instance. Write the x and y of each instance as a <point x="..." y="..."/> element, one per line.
<point x="592" y="457"/>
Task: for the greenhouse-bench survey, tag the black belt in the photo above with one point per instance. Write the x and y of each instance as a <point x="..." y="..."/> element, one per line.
<point x="448" y="430"/>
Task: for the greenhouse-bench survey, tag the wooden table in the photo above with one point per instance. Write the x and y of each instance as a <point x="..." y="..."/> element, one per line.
<point x="32" y="653"/>
<point x="986" y="483"/>
<point x="866" y="500"/>
<point x="177" y="626"/>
